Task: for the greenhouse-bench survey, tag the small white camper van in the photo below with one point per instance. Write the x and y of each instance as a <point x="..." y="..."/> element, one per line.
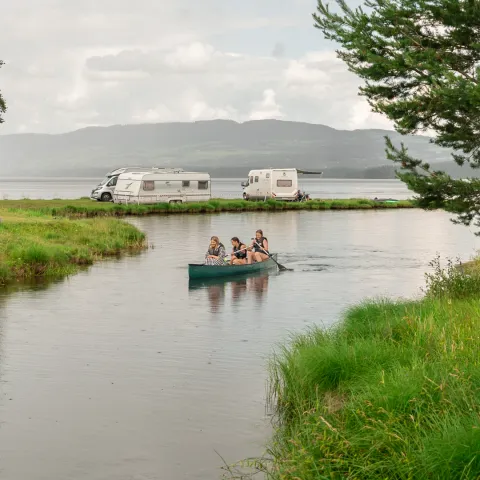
<point x="166" y="186"/>
<point x="278" y="183"/>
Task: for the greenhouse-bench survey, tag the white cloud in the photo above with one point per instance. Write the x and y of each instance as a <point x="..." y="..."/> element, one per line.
<point x="109" y="62"/>
<point x="160" y="113"/>
<point x="202" y="111"/>
<point x="193" y="57"/>
<point x="315" y="69"/>
<point x="115" y="75"/>
<point x="267" y="108"/>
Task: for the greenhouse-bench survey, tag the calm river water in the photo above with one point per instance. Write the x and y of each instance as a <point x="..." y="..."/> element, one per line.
<point x="126" y="371"/>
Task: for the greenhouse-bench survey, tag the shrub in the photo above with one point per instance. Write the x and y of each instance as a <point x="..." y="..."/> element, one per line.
<point x="452" y="281"/>
<point x="392" y="392"/>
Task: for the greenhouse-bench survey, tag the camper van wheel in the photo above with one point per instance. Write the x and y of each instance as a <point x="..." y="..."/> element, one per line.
<point x="175" y="201"/>
<point x="106" y="197"/>
<point x="245" y="196"/>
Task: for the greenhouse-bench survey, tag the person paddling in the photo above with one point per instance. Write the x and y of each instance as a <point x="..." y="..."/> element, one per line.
<point x="239" y="252"/>
<point x="258" y="250"/>
<point x="216" y="252"/>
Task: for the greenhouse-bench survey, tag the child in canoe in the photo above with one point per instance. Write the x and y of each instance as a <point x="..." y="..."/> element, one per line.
<point x="216" y="252"/>
<point x="258" y="250"/>
<point x="239" y="252"/>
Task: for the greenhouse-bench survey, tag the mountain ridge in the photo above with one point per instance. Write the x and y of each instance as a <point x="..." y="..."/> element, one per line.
<point x="222" y="147"/>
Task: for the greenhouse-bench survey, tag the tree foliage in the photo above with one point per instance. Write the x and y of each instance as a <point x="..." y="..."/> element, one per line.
<point x="3" y="105"/>
<point x="419" y="61"/>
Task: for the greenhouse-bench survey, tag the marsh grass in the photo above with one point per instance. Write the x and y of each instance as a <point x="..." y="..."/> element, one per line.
<point x="454" y="280"/>
<point x="393" y="392"/>
<point x="43" y="246"/>
<point x="86" y="208"/>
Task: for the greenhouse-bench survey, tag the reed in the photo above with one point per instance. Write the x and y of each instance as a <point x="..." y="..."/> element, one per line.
<point x="391" y="392"/>
<point x="42" y="246"/>
<point x="85" y="208"/>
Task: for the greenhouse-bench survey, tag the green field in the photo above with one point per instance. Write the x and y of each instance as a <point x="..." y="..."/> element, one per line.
<point x="89" y="208"/>
<point x="34" y="244"/>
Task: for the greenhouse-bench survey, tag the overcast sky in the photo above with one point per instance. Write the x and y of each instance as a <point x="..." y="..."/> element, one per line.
<point x="70" y="64"/>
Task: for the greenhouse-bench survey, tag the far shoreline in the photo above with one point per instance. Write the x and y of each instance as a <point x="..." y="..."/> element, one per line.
<point x="87" y="208"/>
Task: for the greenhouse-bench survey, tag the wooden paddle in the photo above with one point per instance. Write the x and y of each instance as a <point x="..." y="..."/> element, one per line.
<point x="280" y="267"/>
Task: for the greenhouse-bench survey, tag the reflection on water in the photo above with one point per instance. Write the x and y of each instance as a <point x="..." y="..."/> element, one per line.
<point x="259" y="286"/>
<point x="35" y="284"/>
<point x="239" y="288"/>
<point x="216" y="296"/>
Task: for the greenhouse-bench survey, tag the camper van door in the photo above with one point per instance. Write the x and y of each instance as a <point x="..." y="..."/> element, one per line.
<point x="254" y="188"/>
<point x="264" y="190"/>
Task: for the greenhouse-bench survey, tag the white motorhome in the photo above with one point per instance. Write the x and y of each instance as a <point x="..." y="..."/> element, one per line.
<point x="103" y="192"/>
<point x="278" y="183"/>
<point x="166" y="186"/>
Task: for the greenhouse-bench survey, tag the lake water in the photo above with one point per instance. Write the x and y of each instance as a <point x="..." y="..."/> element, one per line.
<point x="46" y="188"/>
<point x="126" y="371"/>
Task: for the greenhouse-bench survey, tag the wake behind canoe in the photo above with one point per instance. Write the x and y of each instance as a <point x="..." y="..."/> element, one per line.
<point x="213" y="271"/>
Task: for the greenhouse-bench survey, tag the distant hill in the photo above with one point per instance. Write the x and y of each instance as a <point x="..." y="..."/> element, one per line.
<point x="222" y="147"/>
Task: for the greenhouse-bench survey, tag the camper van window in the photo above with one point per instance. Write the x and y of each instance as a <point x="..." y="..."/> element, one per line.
<point x="251" y="179"/>
<point x="185" y="183"/>
<point x="284" y="183"/>
<point x="203" y="185"/>
<point x="148" y="185"/>
<point x="256" y="179"/>
<point x="268" y="175"/>
<point x="112" y="182"/>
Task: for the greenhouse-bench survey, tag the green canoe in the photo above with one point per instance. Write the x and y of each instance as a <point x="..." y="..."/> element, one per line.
<point x="213" y="271"/>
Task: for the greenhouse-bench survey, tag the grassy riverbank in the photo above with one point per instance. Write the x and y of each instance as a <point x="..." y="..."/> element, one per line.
<point x="56" y="237"/>
<point x="89" y="208"/>
<point x="392" y="392"/>
<point x="39" y="245"/>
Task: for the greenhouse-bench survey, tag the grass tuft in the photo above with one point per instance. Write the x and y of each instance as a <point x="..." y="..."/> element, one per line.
<point x="455" y="280"/>
<point x="392" y="392"/>
<point x="42" y="246"/>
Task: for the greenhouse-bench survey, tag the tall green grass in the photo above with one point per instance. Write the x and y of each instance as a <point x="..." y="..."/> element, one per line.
<point x="88" y="208"/>
<point x="393" y="392"/>
<point x="455" y="280"/>
<point x="30" y="248"/>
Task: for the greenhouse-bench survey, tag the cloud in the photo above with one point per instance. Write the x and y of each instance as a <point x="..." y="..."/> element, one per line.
<point x="196" y="57"/>
<point x="267" y="108"/>
<point x="110" y="62"/>
<point x="278" y="50"/>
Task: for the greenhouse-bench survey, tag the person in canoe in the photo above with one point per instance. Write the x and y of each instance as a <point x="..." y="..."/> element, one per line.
<point x="258" y="250"/>
<point x="216" y="252"/>
<point x="239" y="252"/>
